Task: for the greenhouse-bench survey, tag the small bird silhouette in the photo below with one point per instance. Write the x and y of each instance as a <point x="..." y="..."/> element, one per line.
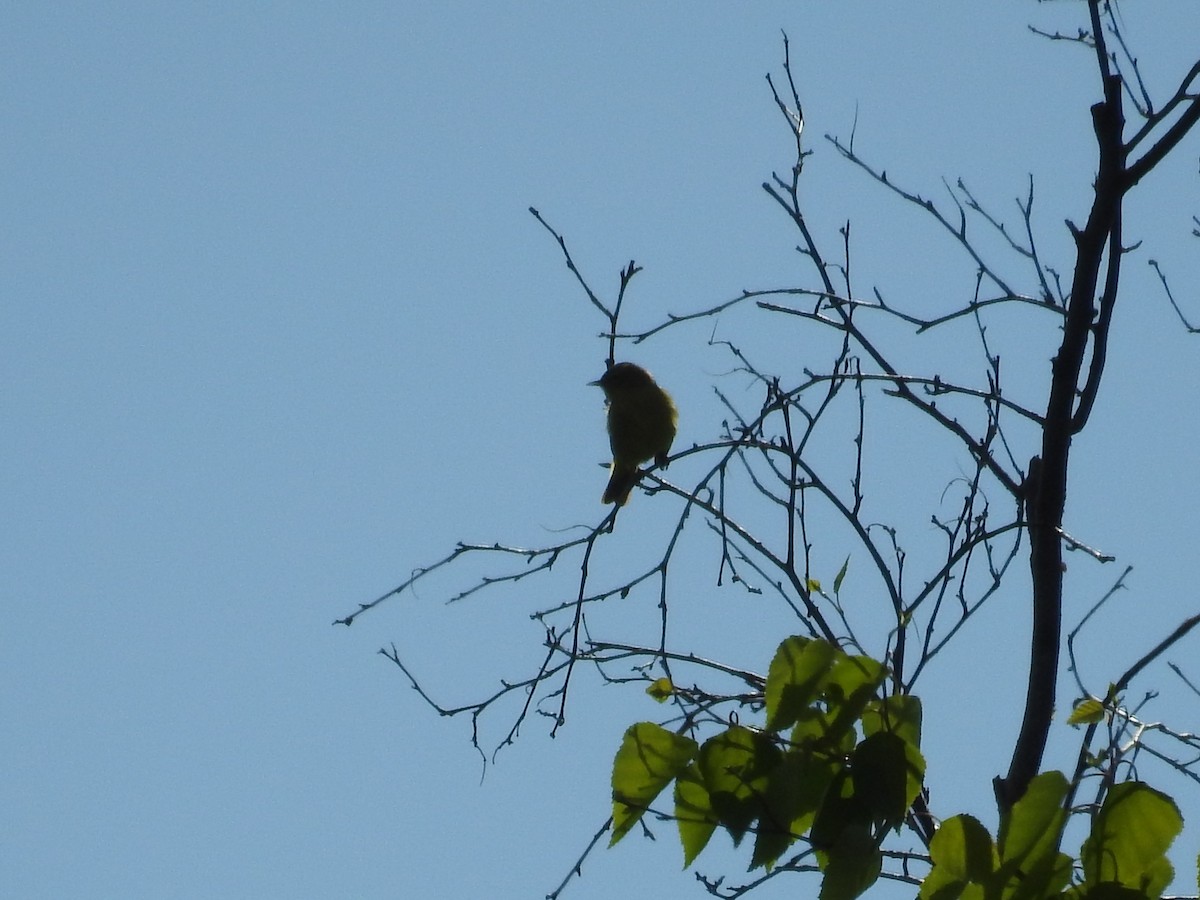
<point x="641" y="425"/>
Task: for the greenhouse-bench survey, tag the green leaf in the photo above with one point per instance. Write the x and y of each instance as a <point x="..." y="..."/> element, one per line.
<point x="648" y="759"/>
<point x="1032" y="827"/>
<point x="1045" y="876"/>
<point x="1087" y="712"/>
<point x="851" y="866"/>
<point x="816" y="774"/>
<point x="1130" y="837"/>
<point x="897" y="714"/>
<point x="735" y="766"/>
<point x="887" y="773"/>
<point x="795" y="790"/>
<point x="1110" y="890"/>
<point x="964" y="862"/>
<point x="1031" y="868"/>
<point x="841" y="812"/>
<point x="693" y="813"/>
<point x="781" y="805"/>
<point x="661" y="689"/>
<point x="814" y="732"/>
<point x="940" y="884"/>
<point x="962" y="851"/>
<point x="795" y="679"/>
<point x="841" y="575"/>
<point x="852" y="684"/>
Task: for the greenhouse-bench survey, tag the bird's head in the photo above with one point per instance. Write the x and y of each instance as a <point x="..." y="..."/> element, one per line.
<point x="622" y="378"/>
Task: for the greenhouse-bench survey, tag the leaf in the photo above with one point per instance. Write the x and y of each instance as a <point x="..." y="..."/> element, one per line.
<point x="841" y="811"/>
<point x="852" y="683"/>
<point x="661" y="689"/>
<point x="940" y="884"/>
<point x="796" y="787"/>
<point x="816" y="773"/>
<point x="887" y="773"/>
<point x="693" y="813"/>
<point x="841" y="575"/>
<point x="648" y="759"/>
<point x="1031" y="868"/>
<point x="797" y="674"/>
<point x="1045" y="876"/>
<point x="1033" y="825"/>
<point x="851" y="867"/>
<point x="1130" y="837"/>
<point x="735" y="766"/>
<point x="782" y="801"/>
<point x="898" y="714"/>
<point x="814" y="730"/>
<point x="1087" y="712"/>
<point x="963" y="851"/>
<point x="1110" y="890"/>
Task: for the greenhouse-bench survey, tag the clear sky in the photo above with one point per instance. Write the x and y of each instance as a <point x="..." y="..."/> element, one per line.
<point x="276" y="327"/>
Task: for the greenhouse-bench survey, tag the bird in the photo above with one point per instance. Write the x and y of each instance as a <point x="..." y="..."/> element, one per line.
<point x="641" y="425"/>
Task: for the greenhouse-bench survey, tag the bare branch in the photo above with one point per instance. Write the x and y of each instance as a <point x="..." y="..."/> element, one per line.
<point x="959" y="232"/>
<point x="1192" y="329"/>
<point x="562" y="244"/>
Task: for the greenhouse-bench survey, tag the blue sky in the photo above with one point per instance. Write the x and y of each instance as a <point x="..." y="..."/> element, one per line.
<point x="277" y="327"/>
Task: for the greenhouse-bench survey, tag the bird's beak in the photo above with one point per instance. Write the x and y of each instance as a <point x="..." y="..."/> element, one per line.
<point x="595" y="383"/>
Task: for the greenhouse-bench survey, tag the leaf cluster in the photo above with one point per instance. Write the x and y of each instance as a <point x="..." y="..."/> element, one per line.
<point x="838" y="767"/>
<point x="1123" y="857"/>
<point x="834" y="765"/>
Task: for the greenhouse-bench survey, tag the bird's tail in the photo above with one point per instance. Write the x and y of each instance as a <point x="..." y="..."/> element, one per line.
<point x="620" y="484"/>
